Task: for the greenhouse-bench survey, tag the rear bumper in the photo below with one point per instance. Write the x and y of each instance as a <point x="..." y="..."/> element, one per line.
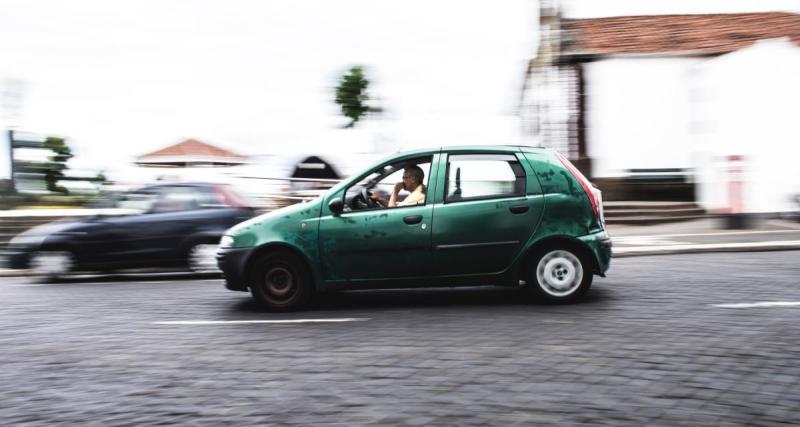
<point x="600" y="244"/>
<point x="232" y="262"/>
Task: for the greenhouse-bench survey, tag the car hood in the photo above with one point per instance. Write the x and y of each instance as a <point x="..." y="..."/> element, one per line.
<point x="276" y="215"/>
<point x="36" y="234"/>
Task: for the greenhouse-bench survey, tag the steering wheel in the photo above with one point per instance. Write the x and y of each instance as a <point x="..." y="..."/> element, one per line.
<point x="365" y="195"/>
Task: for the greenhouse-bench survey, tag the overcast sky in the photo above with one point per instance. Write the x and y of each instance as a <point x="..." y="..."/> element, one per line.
<point x="120" y="78"/>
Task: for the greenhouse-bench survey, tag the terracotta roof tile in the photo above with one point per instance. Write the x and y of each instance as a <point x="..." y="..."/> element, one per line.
<point x="710" y="33"/>
<point x="192" y="147"/>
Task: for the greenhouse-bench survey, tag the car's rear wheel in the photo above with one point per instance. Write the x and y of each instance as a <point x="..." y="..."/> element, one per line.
<point x="51" y="264"/>
<point x="201" y="258"/>
<point x="559" y="275"/>
<point x="281" y="281"/>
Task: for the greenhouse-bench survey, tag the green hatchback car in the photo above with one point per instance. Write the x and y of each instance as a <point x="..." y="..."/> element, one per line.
<point x="455" y="216"/>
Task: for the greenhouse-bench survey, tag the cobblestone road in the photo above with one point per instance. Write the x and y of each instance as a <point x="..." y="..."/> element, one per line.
<point x="646" y="347"/>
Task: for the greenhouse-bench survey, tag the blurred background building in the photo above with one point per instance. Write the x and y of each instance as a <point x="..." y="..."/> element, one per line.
<point x="672" y="107"/>
<point x="190" y="153"/>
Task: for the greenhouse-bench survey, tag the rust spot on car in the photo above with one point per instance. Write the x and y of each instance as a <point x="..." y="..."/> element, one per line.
<point x="374" y="234"/>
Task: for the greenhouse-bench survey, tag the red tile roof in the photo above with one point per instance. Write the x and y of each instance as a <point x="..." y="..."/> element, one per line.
<point x="192" y="147"/>
<point x="708" y="34"/>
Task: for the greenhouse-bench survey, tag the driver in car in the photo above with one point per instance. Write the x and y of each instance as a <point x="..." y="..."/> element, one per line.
<point x="412" y="182"/>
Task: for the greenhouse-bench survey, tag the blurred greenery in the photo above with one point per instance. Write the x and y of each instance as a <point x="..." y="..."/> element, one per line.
<point x="351" y="94"/>
<point x="39" y="183"/>
<point x="51" y="170"/>
<point x="44" y="201"/>
<point x="57" y="163"/>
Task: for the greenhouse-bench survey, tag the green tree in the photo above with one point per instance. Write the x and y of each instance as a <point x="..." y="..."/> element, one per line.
<point x="351" y="94"/>
<point x="57" y="164"/>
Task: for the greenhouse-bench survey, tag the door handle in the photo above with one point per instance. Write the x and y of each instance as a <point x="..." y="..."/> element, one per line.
<point x="518" y="209"/>
<point x="412" y="219"/>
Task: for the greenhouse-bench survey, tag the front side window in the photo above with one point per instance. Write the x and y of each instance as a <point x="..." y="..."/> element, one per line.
<point x="137" y="202"/>
<point x="398" y="184"/>
<point x="483" y="176"/>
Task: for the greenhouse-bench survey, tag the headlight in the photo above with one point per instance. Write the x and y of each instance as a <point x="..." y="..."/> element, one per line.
<point x="226" y="242"/>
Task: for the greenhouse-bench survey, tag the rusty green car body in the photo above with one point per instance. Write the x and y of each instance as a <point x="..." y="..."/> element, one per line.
<point x="538" y="223"/>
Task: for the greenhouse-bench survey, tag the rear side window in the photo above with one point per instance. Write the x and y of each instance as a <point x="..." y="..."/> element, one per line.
<point x="483" y="176"/>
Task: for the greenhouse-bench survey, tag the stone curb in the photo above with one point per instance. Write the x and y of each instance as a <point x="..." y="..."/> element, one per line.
<point x="5" y="272"/>
<point x="711" y="248"/>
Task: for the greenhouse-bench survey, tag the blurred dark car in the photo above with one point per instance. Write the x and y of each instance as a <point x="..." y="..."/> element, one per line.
<point x="176" y="225"/>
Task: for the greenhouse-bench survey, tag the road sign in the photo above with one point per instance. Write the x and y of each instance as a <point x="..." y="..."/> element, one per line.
<point x="5" y="154"/>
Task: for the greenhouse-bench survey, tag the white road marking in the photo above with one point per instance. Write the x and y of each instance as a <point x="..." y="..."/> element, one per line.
<point x="670" y="248"/>
<point x="238" y="322"/>
<point x="759" y="304"/>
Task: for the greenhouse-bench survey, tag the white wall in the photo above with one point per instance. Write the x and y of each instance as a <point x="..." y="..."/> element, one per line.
<point x="638" y="114"/>
<point x="750" y="108"/>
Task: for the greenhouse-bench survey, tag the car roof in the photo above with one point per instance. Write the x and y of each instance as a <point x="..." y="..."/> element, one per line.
<point x="466" y="148"/>
<point x="506" y="148"/>
<point x="181" y="184"/>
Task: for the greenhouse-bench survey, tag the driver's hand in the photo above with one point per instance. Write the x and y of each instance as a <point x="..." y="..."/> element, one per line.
<point x="399" y="186"/>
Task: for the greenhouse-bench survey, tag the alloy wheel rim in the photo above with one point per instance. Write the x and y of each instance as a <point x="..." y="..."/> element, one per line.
<point x="559" y="273"/>
<point x="51" y="264"/>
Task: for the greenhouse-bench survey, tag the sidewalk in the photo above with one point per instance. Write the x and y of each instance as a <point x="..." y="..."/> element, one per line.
<point x="697" y="236"/>
<point x="703" y="235"/>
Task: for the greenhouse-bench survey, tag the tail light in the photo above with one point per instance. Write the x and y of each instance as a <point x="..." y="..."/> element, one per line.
<point x="594" y="194"/>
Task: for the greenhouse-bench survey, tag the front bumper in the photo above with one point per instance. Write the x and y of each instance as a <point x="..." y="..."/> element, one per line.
<point x="17" y="258"/>
<point x="232" y="262"/>
<point x="600" y="244"/>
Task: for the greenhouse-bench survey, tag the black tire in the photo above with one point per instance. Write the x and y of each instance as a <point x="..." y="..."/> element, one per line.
<point x="52" y="265"/>
<point x="558" y="274"/>
<point x="280" y="281"/>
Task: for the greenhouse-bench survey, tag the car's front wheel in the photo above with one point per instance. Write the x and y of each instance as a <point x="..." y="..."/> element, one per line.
<point x="280" y="281"/>
<point x="559" y="275"/>
<point x="51" y="264"/>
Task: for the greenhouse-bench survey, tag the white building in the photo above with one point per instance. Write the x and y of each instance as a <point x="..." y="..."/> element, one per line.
<point x="667" y="96"/>
<point x="750" y="111"/>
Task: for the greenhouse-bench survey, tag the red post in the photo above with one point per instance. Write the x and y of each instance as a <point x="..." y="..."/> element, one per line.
<point x="735" y="196"/>
<point x="736" y="217"/>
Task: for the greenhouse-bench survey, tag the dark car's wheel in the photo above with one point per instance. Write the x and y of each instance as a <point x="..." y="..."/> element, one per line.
<point x="51" y="264"/>
<point x="281" y="281"/>
<point x="559" y="275"/>
<point x="201" y="258"/>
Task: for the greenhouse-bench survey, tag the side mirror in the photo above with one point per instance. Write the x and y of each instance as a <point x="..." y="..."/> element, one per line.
<point x="336" y="206"/>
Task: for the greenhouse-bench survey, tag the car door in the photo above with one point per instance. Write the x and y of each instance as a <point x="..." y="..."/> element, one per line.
<point x="378" y="243"/>
<point x="123" y="240"/>
<point x="155" y="237"/>
<point x="489" y="207"/>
